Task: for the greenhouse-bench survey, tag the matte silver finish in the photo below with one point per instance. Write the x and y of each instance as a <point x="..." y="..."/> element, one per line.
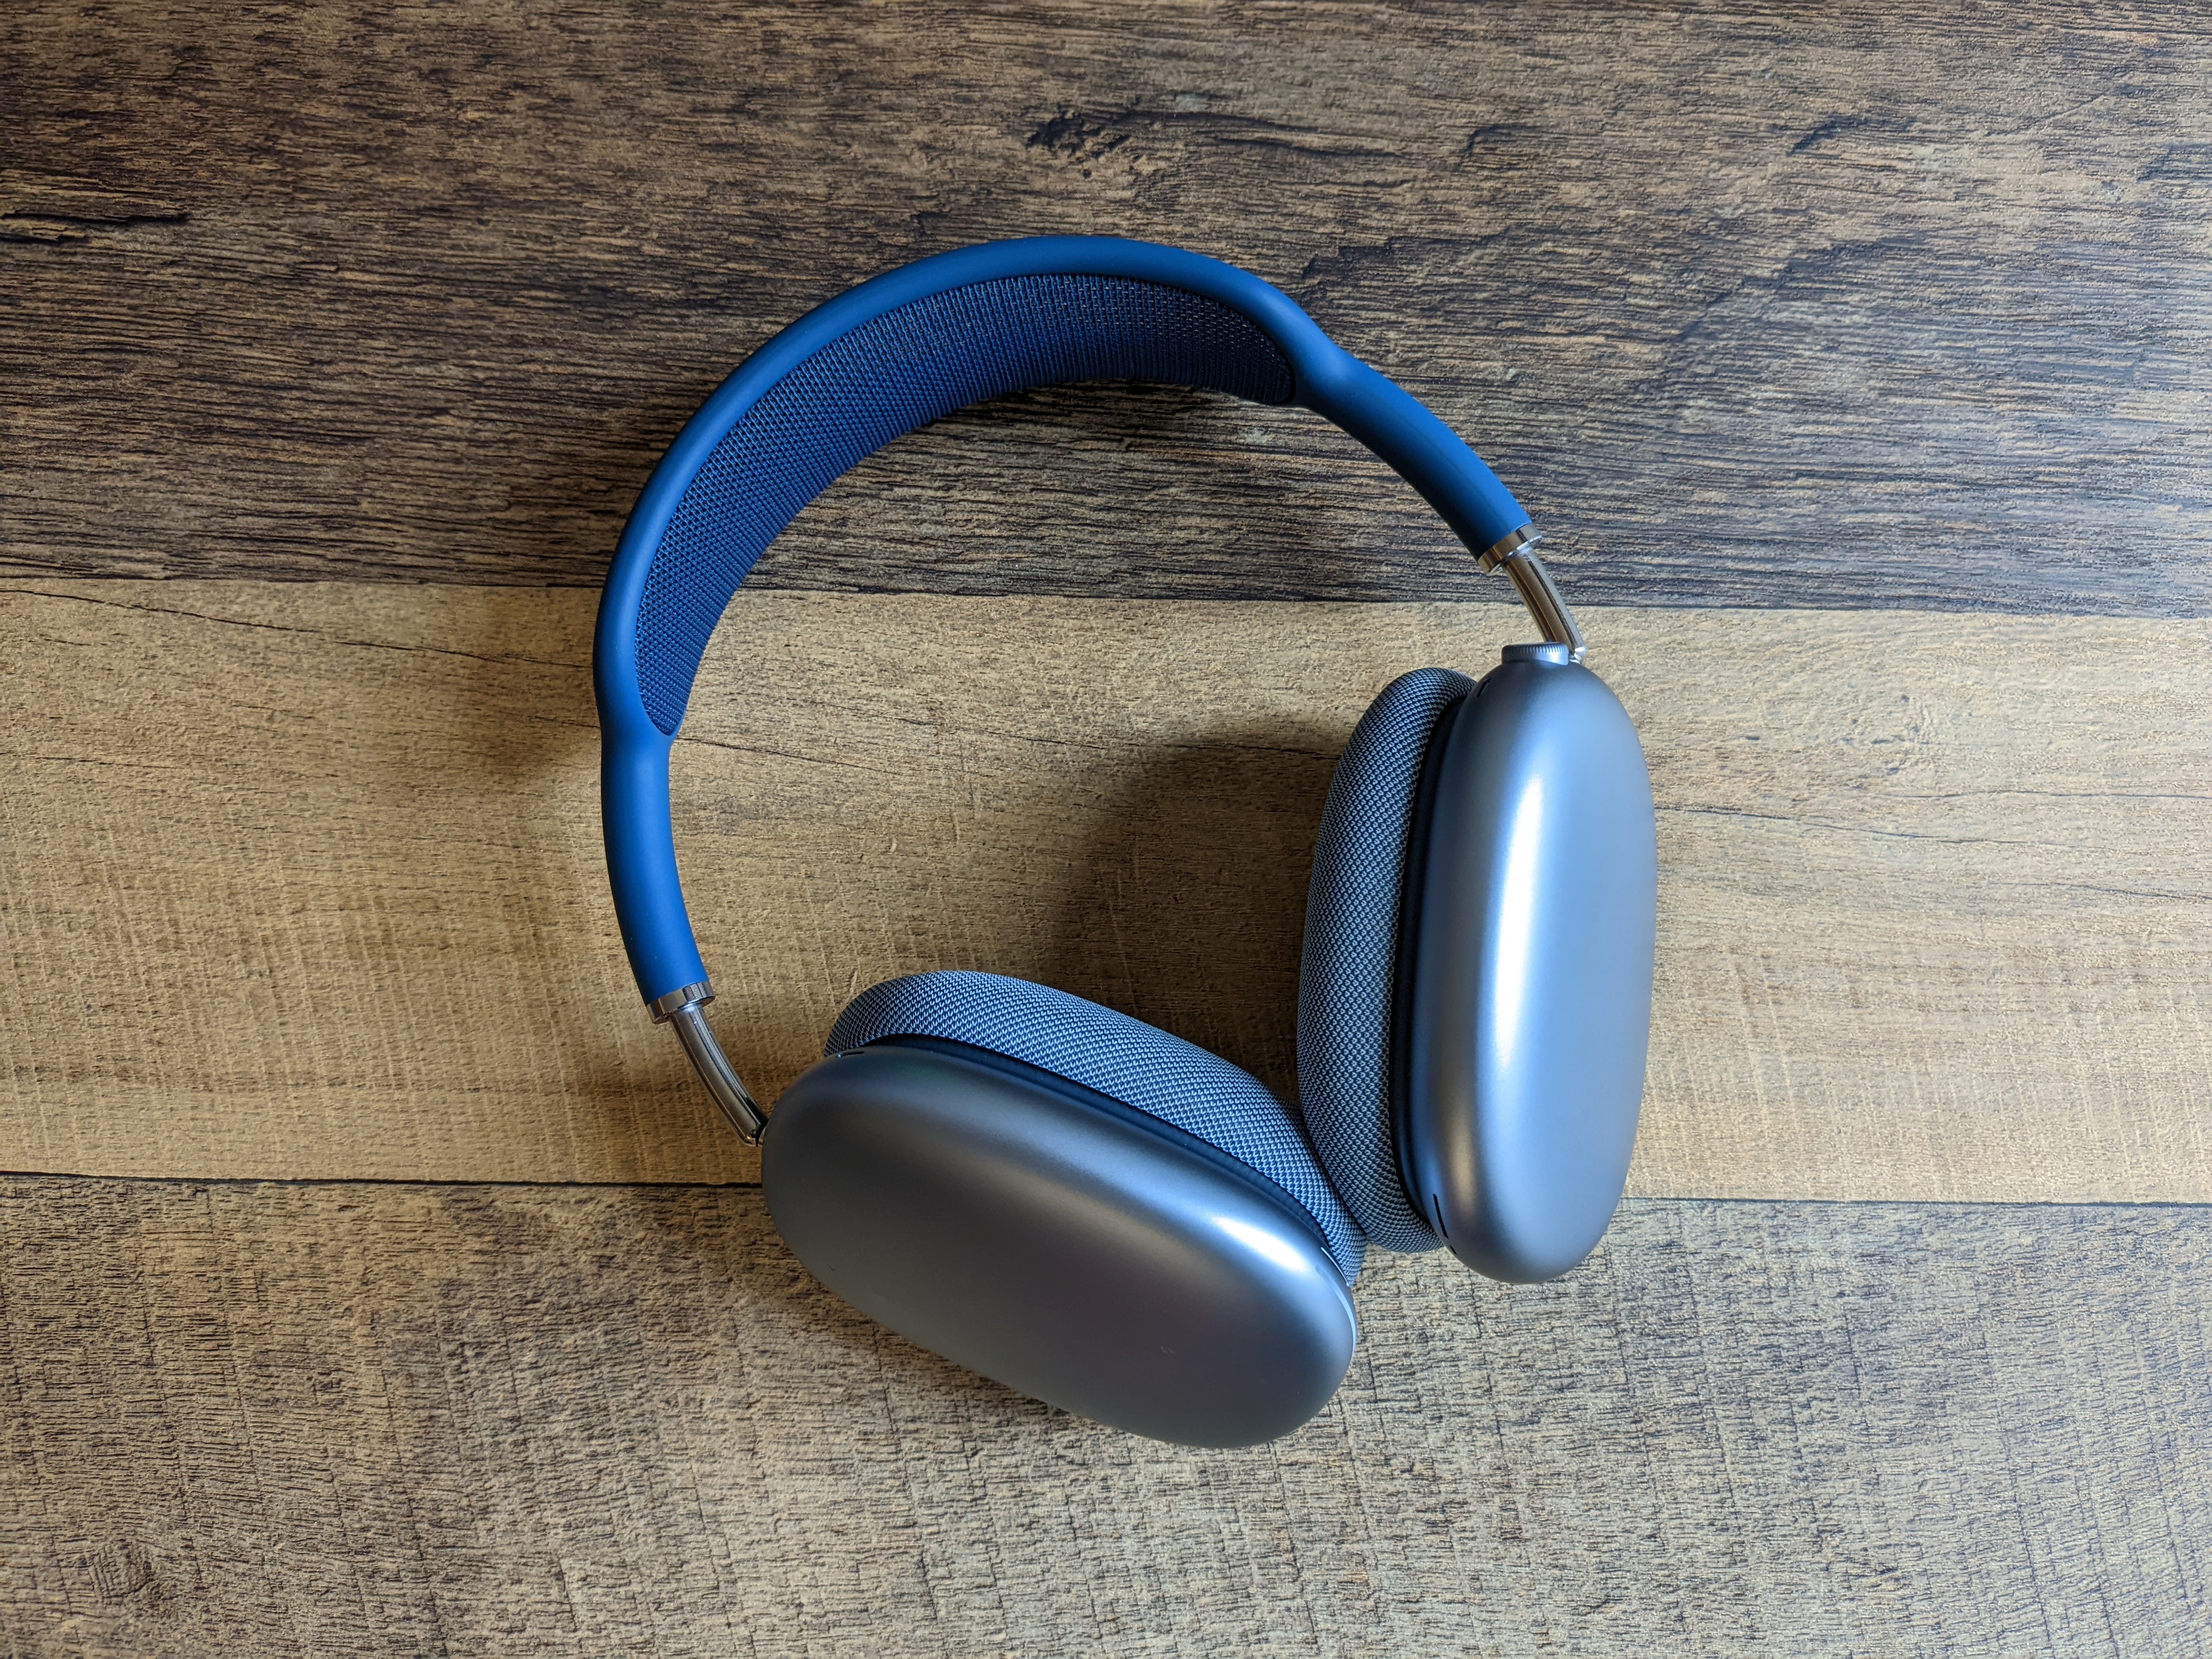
<point x="1083" y="1256"/>
<point x="1528" y="1005"/>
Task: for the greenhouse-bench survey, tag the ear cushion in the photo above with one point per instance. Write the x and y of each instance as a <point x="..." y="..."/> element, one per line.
<point x="1347" y="984"/>
<point x="1137" y="1064"/>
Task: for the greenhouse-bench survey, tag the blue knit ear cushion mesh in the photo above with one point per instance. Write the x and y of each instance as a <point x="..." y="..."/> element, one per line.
<point x="900" y="371"/>
<point x="1347" y="983"/>
<point x="1137" y="1064"/>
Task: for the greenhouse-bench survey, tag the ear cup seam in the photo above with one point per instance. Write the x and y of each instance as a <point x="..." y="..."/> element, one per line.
<point x="1099" y="1100"/>
<point x="1098" y="1048"/>
<point x="1412" y="879"/>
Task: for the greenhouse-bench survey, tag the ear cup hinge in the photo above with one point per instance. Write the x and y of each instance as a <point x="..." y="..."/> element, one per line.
<point x="684" y="1008"/>
<point x="1517" y="554"/>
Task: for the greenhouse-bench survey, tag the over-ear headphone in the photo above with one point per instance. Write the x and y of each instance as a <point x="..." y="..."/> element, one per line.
<point x="1091" y="1210"/>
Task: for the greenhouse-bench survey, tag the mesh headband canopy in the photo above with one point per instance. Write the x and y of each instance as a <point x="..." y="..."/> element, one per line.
<point x="902" y="370"/>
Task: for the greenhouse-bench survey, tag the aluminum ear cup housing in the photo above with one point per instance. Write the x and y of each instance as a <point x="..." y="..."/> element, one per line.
<point x="1524" y="1003"/>
<point x="1058" y="1241"/>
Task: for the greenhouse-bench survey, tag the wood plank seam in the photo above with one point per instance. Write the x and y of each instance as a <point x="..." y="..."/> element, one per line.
<point x="305" y="880"/>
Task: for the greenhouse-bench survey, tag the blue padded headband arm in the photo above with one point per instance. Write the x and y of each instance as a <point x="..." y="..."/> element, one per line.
<point x="633" y="780"/>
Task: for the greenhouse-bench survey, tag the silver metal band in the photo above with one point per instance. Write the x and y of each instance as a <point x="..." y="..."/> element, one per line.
<point x="664" y="1009"/>
<point x="1506" y="547"/>
<point x="1517" y="554"/>
<point x="683" y="1009"/>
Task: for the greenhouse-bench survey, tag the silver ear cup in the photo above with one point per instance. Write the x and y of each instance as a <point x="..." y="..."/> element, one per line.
<point x="1080" y="1254"/>
<point x="1525" y="986"/>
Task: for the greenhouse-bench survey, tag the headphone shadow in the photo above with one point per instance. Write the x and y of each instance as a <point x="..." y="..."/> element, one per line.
<point x="1183" y="903"/>
<point x="1183" y="906"/>
<point x="1187" y="908"/>
<point x="727" y="1246"/>
<point x="1119" y="489"/>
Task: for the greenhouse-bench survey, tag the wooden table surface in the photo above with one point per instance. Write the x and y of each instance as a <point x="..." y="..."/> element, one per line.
<point x="377" y="1281"/>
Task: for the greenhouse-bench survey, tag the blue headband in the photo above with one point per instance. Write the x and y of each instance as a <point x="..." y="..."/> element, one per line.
<point x="893" y="354"/>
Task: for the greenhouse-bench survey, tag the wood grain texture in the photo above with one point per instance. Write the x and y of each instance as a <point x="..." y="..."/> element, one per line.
<point x="1753" y="304"/>
<point x="305" y="880"/>
<point x="398" y="1420"/>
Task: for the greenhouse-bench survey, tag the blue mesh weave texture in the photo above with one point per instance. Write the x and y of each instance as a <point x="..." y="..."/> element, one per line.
<point x="1347" y="982"/>
<point x="903" y="370"/>
<point x="1137" y="1064"/>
